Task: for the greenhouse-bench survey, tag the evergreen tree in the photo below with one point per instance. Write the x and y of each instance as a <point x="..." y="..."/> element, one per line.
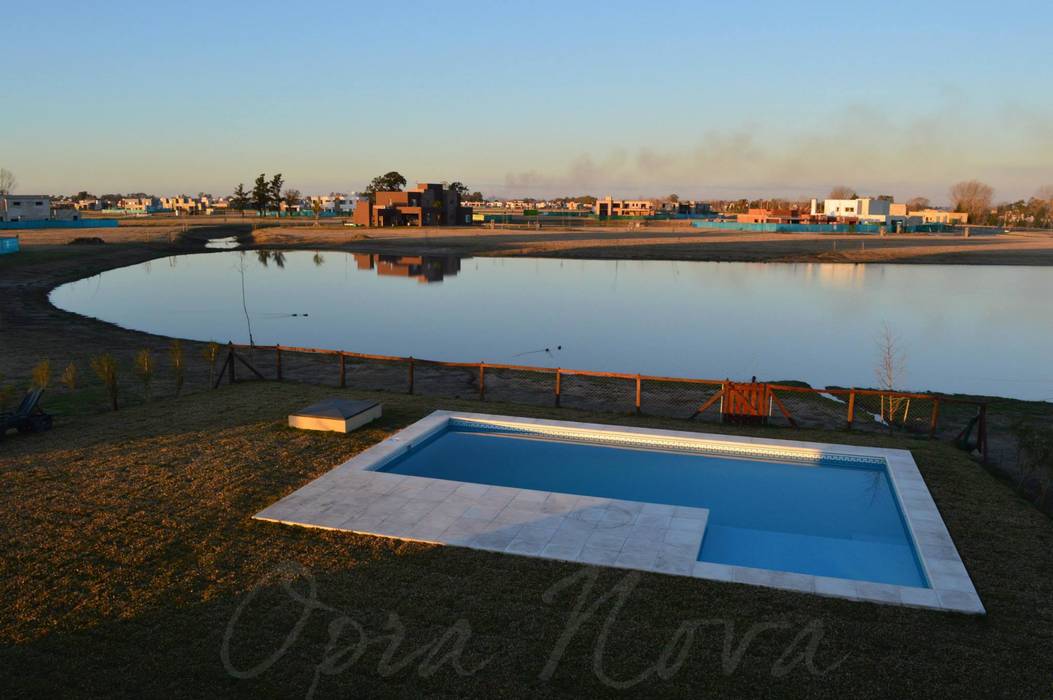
<point x="261" y="194"/>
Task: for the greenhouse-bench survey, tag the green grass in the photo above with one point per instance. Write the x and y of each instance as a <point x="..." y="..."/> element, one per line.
<point x="129" y="547"/>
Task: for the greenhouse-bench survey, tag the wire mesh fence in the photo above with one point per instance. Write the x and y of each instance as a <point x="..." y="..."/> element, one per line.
<point x="701" y="400"/>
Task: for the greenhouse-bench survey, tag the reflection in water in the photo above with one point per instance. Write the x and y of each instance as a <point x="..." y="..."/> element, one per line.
<point x="424" y="268"/>
<point x="963" y="329"/>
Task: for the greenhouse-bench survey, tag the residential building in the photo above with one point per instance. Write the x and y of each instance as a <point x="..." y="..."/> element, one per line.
<point x="941" y="216"/>
<point x="427" y="204"/>
<point x="92" y="204"/>
<point x="759" y="215"/>
<point x="139" y="205"/>
<point x="25" y="207"/>
<point x="863" y="209"/>
<point x="609" y="206"/>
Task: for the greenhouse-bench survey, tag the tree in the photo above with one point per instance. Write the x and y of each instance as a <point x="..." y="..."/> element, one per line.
<point x="261" y="194"/>
<point x="842" y="192"/>
<point x="388" y="182"/>
<point x="972" y="197"/>
<point x="476" y="196"/>
<point x="460" y="188"/>
<point x="917" y="203"/>
<point x="674" y="198"/>
<point x="7" y="181"/>
<point x="292" y="198"/>
<point x="889" y="372"/>
<point x="275" y="190"/>
<point x="240" y="199"/>
<point x="316" y="209"/>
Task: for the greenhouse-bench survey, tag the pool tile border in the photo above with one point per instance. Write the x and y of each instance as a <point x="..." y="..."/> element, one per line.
<point x="610" y="532"/>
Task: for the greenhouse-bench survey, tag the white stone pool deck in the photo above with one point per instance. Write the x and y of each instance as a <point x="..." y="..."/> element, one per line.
<point x="588" y="530"/>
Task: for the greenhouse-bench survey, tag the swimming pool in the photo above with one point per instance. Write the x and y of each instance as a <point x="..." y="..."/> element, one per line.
<point x="830" y="519"/>
<point x="810" y="516"/>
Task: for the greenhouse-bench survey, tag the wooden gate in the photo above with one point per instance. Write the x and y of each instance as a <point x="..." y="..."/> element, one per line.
<point x="746" y="403"/>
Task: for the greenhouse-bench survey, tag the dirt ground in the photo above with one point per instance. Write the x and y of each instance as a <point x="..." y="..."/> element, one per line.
<point x="657" y="242"/>
<point x="131" y="567"/>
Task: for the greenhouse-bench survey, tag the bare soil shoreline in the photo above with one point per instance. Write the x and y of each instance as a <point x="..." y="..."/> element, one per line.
<point x="668" y="242"/>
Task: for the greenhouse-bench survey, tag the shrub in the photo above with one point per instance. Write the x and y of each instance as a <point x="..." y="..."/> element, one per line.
<point x="69" y="376"/>
<point x="175" y="353"/>
<point x="42" y="374"/>
<point x="106" y="368"/>
<point x="210" y="353"/>
<point x="144" y="368"/>
<point x="7" y="392"/>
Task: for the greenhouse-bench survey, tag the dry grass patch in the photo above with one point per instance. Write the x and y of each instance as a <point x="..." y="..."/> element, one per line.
<point x="129" y="548"/>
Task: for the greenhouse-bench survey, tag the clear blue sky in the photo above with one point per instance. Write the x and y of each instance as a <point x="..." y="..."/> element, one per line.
<point x="707" y="99"/>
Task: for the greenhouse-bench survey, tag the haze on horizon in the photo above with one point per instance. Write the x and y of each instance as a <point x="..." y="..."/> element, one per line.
<point x="708" y="100"/>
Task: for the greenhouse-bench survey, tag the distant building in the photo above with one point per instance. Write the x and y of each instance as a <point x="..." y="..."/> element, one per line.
<point x="863" y="209"/>
<point x="609" y="206"/>
<point x="25" y="207"/>
<point x="941" y="216"/>
<point x="758" y="215"/>
<point x="139" y="205"/>
<point x="88" y="204"/>
<point x="427" y="204"/>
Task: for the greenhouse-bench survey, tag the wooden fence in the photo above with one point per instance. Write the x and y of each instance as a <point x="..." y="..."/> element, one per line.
<point x="933" y="415"/>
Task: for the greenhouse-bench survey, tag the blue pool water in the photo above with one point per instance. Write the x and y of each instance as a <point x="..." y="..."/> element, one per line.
<point x="824" y="518"/>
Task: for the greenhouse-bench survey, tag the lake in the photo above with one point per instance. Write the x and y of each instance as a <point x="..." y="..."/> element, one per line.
<point x="966" y="329"/>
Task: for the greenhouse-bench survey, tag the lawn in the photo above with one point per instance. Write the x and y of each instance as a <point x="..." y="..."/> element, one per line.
<point x="131" y="566"/>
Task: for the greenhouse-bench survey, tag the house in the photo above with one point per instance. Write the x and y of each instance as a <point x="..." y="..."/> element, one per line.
<point x="91" y="204"/>
<point x="608" y="207"/>
<point x="941" y="216"/>
<point x="25" y="207"/>
<point x="139" y="205"/>
<point x="863" y="209"/>
<point x="427" y="204"/>
<point x="759" y="215"/>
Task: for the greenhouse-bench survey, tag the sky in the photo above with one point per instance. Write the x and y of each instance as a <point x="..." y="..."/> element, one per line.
<point x="711" y="100"/>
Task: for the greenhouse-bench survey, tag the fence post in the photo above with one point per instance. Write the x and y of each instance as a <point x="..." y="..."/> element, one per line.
<point x="851" y="408"/>
<point x="935" y="417"/>
<point x="482" y="382"/>
<point x="278" y="361"/>
<point x="230" y="357"/>
<point x="557" y="387"/>
<point x="411" y="375"/>
<point x="638" y="394"/>
<point x="343" y="371"/>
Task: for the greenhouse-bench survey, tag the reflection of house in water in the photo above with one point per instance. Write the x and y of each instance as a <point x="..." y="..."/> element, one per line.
<point x="425" y="268"/>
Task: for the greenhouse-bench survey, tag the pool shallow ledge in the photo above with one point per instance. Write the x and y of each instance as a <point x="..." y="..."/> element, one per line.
<point x="356" y="497"/>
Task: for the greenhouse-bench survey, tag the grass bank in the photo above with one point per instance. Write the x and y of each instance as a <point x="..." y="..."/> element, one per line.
<point x="129" y="550"/>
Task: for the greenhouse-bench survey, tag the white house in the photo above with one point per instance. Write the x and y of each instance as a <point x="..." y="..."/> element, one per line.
<point x="862" y="209"/>
<point x="25" y="207"/>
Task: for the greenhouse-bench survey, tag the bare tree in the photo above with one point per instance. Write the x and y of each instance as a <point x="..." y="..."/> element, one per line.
<point x="917" y="203"/>
<point x="842" y="192"/>
<point x="891" y="368"/>
<point x="972" y="197"/>
<point x="7" y="181"/>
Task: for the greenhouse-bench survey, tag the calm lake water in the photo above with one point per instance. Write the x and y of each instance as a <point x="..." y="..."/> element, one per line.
<point x="984" y="330"/>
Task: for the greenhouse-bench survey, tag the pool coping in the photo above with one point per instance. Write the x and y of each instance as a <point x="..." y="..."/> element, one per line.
<point x="611" y="532"/>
